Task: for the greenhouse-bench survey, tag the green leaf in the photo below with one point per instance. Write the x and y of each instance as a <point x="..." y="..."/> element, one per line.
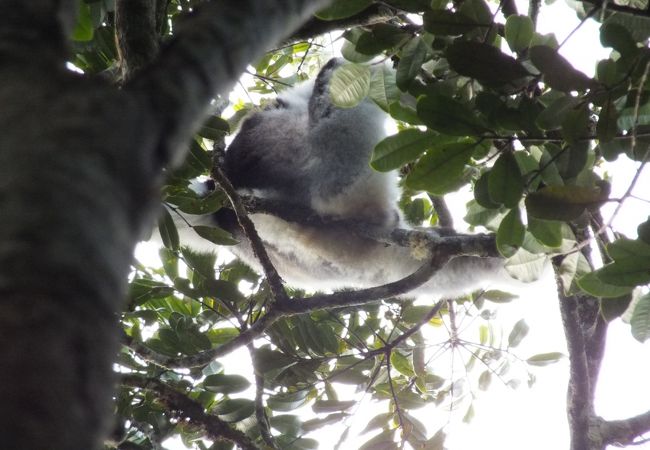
<point x="168" y="231"/>
<point x="511" y="233"/>
<point x="526" y="266"/>
<point x="440" y="169"/>
<point x="200" y="262"/>
<point x="190" y="202"/>
<point x="564" y="202"/>
<point x="545" y="359"/>
<point x="382" y="87"/>
<point x="215" y="235"/>
<point x="558" y="72"/>
<point x="607" y="128"/>
<point x="288" y="401"/>
<point x="287" y="424"/>
<point x="234" y="410"/>
<point x="613" y="308"/>
<point x="379" y="421"/>
<point x="628" y="248"/>
<point x="637" y="26"/>
<point x="548" y="232"/>
<point x="225" y="384"/>
<point x="83" y="30"/>
<point x="506" y="183"/>
<point x="643" y="230"/>
<point x="484" y="62"/>
<point x="576" y="124"/>
<point x="627" y="272"/>
<point x="629" y="118"/>
<point x="327" y="406"/>
<point x="518" y="333"/>
<point x="402" y="364"/>
<point x="481" y="192"/>
<point x="382" y="37"/>
<point x="349" y="85"/>
<point x="552" y="117"/>
<point x="405" y="146"/>
<point x="413" y="56"/>
<point x="519" y="32"/>
<point x="484" y="380"/>
<point x="142" y="290"/>
<point x="448" y="116"/>
<point x="220" y="289"/>
<point x="640" y="321"/>
<point x="340" y="9"/>
<point x="268" y="360"/>
<point x="214" y="128"/>
<point x="593" y="285"/>
<point x="497" y="296"/>
<point x="447" y="23"/>
<point x="618" y="37"/>
<point x="293" y="443"/>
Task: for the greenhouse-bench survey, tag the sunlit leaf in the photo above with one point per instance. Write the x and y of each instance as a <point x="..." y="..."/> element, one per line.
<point x="349" y="85"/>
<point x="545" y="359"/>
<point x="215" y="234"/>
<point x="413" y="56"/>
<point x="440" y="169"/>
<point x="518" y="333"/>
<point x="593" y="285"/>
<point x="405" y="146"/>
<point x="548" y="232"/>
<point x="640" y="321"/>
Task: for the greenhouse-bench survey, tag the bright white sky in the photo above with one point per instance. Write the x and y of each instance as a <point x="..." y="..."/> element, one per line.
<point x="535" y="418"/>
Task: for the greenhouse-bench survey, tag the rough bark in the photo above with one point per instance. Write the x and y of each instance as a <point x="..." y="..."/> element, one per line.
<point x="80" y="163"/>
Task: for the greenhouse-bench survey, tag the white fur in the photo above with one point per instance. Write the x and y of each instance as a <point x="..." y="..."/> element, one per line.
<point x="324" y="151"/>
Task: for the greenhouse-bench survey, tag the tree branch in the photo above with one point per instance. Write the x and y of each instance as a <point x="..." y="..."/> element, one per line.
<point x="624" y="432"/>
<point x="210" y="49"/>
<point x="274" y="280"/>
<point x="316" y="27"/>
<point x="444" y="249"/>
<point x="136" y="33"/>
<point x="183" y="407"/>
<point x="579" y="399"/>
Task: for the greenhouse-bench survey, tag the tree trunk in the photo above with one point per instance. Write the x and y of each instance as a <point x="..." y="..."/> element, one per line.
<point x="80" y="165"/>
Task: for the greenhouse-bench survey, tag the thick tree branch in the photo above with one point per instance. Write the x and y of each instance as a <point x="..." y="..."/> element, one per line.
<point x="625" y="432"/>
<point x="209" y="51"/>
<point x="184" y="407"/>
<point x="136" y="32"/>
<point x="316" y="27"/>
<point x="579" y="399"/>
<point x="472" y="244"/>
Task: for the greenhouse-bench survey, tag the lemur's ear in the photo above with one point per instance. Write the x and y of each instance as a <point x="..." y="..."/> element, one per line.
<point x="319" y="103"/>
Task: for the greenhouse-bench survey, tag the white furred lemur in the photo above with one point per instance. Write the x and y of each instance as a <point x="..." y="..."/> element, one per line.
<point x="307" y="152"/>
